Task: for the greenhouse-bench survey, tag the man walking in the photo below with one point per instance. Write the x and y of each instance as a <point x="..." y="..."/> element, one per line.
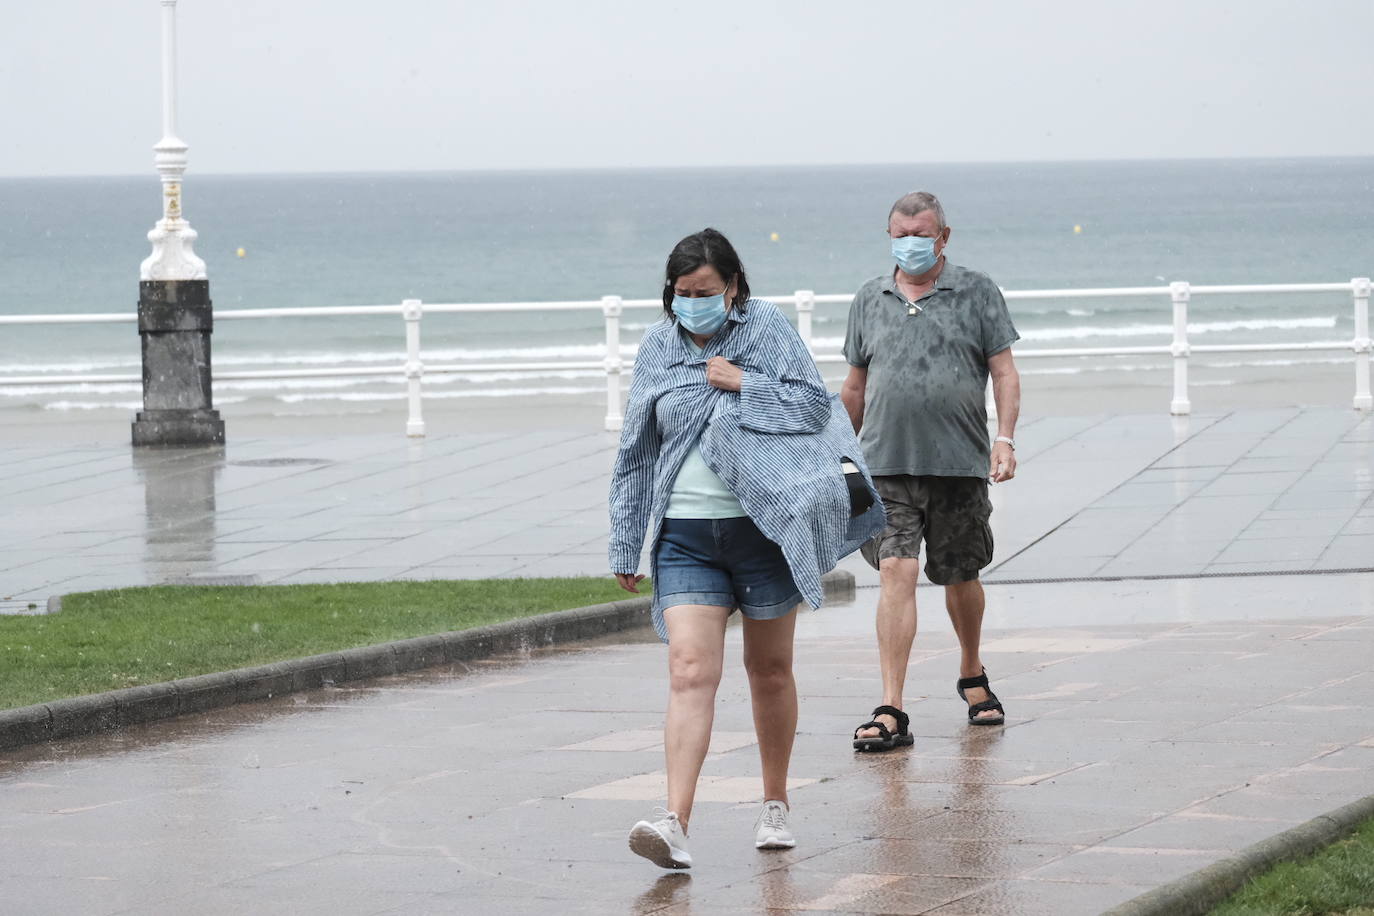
<point x="921" y="344"/>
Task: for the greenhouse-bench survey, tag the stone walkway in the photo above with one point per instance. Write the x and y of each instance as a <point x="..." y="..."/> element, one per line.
<point x="1200" y="684"/>
<point x="1133" y="754"/>
<point x="1260" y="491"/>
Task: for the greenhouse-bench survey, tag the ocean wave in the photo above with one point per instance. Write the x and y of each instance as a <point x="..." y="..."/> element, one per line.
<point x="306" y="384"/>
<point x="336" y="358"/>
<point x="105" y="364"/>
<point x="119" y="405"/>
<point x="444" y="354"/>
<point x="595" y="351"/>
<point x="302" y="391"/>
<point x="444" y="395"/>
<point x="1166" y="330"/>
<point x="1162" y="364"/>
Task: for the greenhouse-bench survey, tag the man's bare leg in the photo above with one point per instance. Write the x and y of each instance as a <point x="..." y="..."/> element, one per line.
<point x="896" y="631"/>
<point x="965" y="603"/>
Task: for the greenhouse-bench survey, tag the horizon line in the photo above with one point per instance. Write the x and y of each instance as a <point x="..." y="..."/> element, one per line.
<point x="151" y="172"/>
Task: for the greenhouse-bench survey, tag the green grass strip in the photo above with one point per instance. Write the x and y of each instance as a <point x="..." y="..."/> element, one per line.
<point x="1337" y="881"/>
<point x="127" y="637"/>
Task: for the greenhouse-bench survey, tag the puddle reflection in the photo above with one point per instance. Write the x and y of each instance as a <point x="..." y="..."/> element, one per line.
<point x="179" y="509"/>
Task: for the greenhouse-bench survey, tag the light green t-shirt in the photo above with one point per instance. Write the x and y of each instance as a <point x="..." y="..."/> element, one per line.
<point x="698" y="492"/>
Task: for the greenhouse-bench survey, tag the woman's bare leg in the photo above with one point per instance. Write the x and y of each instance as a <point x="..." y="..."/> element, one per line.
<point x="768" y="660"/>
<point x="696" y="651"/>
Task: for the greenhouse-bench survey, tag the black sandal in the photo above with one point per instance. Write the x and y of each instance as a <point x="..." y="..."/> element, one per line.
<point x="885" y="740"/>
<point x="964" y="683"/>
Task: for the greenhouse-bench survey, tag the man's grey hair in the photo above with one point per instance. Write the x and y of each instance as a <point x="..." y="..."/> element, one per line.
<point x="918" y="202"/>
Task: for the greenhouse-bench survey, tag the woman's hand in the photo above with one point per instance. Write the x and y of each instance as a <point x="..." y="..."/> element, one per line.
<point x="629" y="581"/>
<point x="723" y="374"/>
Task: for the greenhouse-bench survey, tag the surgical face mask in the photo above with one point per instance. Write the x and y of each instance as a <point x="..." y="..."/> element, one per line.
<point x="700" y="316"/>
<point x="914" y="254"/>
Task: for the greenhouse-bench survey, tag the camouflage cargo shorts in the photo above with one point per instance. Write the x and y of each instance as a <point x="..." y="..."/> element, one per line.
<point x="949" y="513"/>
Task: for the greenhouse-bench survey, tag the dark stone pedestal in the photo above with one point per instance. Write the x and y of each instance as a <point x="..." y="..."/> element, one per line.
<point x="175" y="321"/>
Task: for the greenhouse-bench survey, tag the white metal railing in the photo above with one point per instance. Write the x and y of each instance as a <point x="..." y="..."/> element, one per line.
<point x="412" y="311"/>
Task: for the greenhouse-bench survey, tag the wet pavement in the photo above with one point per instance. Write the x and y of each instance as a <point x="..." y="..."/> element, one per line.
<point x="1243" y="492"/>
<point x="1133" y="754"/>
<point x="1215" y="696"/>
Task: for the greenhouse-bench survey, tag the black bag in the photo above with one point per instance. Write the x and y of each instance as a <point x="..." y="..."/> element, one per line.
<point x="860" y="497"/>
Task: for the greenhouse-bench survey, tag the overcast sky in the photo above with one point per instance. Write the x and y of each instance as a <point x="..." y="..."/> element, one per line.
<point x="344" y="85"/>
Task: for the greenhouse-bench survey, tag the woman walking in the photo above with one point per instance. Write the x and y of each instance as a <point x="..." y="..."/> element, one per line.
<point x="730" y="461"/>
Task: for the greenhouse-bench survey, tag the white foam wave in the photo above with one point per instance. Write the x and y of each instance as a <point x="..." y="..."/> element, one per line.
<point x="106" y="364"/>
<point x="1165" y="330"/>
<point x="443" y="395"/>
<point x="119" y="405"/>
<point x="85" y="388"/>
<point x="594" y="351"/>
<point x="1161" y="364"/>
<point x="445" y="354"/>
<point x="93" y="405"/>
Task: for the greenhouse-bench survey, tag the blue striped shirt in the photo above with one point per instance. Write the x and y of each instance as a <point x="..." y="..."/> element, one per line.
<point x="745" y="439"/>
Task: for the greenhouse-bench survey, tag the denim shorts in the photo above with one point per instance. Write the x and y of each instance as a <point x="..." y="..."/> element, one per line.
<point x="722" y="562"/>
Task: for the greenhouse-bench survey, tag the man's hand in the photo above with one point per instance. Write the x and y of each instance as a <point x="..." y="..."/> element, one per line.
<point x="1003" y="464"/>
<point x="723" y="374"/>
<point x="852" y="395"/>
<point x="629" y="581"/>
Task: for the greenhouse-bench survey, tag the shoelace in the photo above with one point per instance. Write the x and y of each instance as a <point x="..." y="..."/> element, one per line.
<point x="664" y="814"/>
<point x="774" y="817"/>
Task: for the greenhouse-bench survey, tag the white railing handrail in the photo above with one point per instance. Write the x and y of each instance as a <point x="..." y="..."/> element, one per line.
<point x="596" y="304"/>
<point x="614" y="363"/>
<point x="72" y="318"/>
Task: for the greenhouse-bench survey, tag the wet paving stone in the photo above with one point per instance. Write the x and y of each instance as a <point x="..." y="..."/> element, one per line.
<point x="1154" y="725"/>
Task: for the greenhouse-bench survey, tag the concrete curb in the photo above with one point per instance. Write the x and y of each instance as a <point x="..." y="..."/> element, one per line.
<point x="134" y="705"/>
<point x="1200" y="892"/>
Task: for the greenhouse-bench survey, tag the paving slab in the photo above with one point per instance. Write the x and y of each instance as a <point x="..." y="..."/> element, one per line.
<point x="1096" y="497"/>
<point x="1182" y="677"/>
<point x="512" y="782"/>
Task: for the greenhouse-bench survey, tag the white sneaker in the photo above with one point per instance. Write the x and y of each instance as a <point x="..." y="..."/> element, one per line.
<point x="663" y="842"/>
<point x="770" y="830"/>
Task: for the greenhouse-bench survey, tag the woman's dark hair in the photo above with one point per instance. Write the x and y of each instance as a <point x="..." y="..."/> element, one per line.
<point x="705" y="247"/>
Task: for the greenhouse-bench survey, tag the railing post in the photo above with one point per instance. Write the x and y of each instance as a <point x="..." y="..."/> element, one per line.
<point x="611" y="307"/>
<point x="1180" y="292"/>
<point x="806" y="304"/>
<point x="1362" y="344"/>
<point x="412" y="311"/>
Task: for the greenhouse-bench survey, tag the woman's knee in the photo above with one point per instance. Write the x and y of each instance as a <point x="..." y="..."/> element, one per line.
<point x="769" y="673"/>
<point x="690" y="669"/>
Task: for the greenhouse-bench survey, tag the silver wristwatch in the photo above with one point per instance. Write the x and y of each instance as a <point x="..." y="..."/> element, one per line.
<point x="1008" y="440"/>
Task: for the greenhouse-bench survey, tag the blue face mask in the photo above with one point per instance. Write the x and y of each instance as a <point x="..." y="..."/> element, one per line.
<point x="914" y="254"/>
<point x="700" y="316"/>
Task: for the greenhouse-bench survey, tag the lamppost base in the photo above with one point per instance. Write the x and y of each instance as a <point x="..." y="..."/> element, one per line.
<point x="178" y="427"/>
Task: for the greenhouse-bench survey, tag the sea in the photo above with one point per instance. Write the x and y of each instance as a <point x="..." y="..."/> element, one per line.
<point x="73" y="245"/>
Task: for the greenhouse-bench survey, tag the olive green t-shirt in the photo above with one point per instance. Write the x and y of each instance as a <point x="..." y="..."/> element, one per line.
<point x="924" y="404"/>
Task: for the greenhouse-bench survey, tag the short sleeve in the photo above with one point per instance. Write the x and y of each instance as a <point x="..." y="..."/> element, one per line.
<point x="855" y="353"/>
<point x="998" y="330"/>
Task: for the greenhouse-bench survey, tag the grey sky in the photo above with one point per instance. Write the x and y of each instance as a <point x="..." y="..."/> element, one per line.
<point x="334" y="85"/>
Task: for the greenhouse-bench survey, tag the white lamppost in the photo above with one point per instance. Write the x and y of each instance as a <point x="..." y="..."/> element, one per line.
<point x="172" y="237"/>
<point x="174" y="312"/>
